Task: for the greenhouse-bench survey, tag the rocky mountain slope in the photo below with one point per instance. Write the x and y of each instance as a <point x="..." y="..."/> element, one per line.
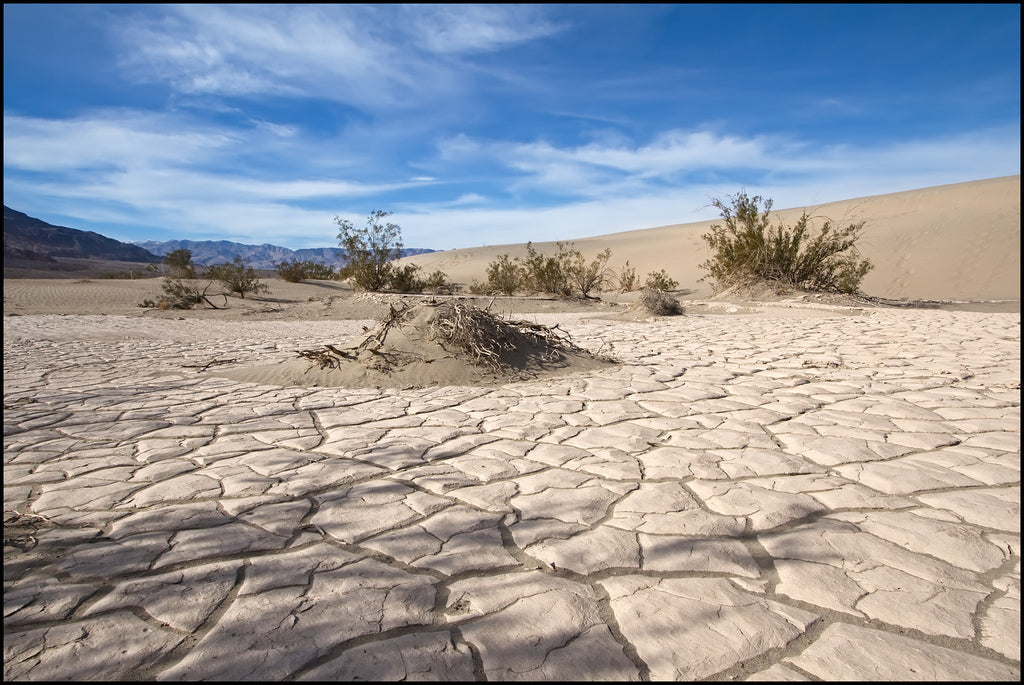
<point x="28" y="238"/>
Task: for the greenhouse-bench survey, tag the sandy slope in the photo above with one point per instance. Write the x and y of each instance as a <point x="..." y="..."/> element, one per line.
<point x="957" y="242"/>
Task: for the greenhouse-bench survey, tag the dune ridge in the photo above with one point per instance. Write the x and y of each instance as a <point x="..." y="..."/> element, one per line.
<point x="950" y="242"/>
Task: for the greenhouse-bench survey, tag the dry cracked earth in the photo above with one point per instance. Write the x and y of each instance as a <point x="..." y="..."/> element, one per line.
<point x="830" y="497"/>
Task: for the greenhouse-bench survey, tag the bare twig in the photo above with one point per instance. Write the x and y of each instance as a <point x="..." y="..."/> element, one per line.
<point x="204" y="367"/>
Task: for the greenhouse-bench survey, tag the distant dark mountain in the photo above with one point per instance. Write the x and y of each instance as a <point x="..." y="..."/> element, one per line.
<point x="27" y="238"/>
<point x="257" y="256"/>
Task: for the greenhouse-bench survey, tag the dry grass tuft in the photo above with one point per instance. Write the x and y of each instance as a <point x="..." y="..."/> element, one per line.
<point x="660" y="303"/>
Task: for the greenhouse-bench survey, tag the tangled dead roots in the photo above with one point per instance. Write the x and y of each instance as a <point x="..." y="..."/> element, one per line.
<point x="463" y="331"/>
<point x="487" y="339"/>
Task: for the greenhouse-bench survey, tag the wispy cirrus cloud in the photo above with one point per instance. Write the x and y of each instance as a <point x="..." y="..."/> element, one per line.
<point x="371" y="56"/>
<point x="111" y="138"/>
<point x="589" y="170"/>
<point x="118" y="166"/>
<point x="456" y="29"/>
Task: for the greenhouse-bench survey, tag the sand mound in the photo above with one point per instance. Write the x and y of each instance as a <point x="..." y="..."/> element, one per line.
<point x="432" y="343"/>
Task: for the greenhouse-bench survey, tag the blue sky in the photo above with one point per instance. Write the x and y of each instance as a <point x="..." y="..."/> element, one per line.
<point x="490" y="124"/>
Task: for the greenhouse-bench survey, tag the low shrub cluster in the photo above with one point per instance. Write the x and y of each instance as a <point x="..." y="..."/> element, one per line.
<point x="405" y="279"/>
<point x="628" y="281"/>
<point x="659" y="280"/>
<point x="566" y="273"/>
<point x="183" y="290"/>
<point x="297" y="270"/>
<point x="237" y="277"/>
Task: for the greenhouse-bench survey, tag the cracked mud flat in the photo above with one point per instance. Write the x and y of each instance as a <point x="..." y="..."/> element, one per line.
<point x="834" y="496"/>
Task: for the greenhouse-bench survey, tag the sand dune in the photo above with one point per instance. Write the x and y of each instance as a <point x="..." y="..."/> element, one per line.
<point x="952" y="242"/>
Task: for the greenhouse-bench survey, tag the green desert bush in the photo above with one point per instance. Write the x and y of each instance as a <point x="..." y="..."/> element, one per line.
<point x="583" y="277"/>
<point x="659" y="280"/>
<point x="237" y="277"/>
<point x="547" y="274"/>
<point x="565" y="273"/>
<point x="298" y="270"/>
<point x="370" y="250"/>
<point x="504" y="275"/>
<point x="437" y="282"/>
<point x="180" y="263"/>
<point x="130" y="274"/>
<point x="628" y="281"/>
<point x="477" y="288"/>
<point x="404" y="279"/>
<point x="748" y="249"/>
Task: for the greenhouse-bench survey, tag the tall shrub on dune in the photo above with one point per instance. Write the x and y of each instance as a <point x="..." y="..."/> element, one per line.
<point x="749" y="249"/>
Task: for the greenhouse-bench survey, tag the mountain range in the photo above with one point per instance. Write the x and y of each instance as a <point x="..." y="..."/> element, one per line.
<point x="257" y="256"/>
<point x="31" y="239"/>
<point x="28" y="240"/>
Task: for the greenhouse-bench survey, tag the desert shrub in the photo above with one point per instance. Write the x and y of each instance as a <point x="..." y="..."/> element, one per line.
<point x="404" y="279"/>
<point x="659" y="302"/>
<point x="545" y="274"/>
<point x="584" y="278"/>
<point x="180" y="263"/>
<point x="182" y="293"/>
<point x="237" y="277"/>
<point x="504" y="275"/>
<point x="437" y="282"/>
<point x="628" y="281"/>
<point x="659" y="280"/>
<point x="749" y="249"/>
<point x="298" y="270"/>
<point x="370" y="250"/>
<point x="477" y="288"/>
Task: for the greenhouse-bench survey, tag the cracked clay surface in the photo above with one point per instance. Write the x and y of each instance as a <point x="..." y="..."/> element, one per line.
<point x="827" y="497"/>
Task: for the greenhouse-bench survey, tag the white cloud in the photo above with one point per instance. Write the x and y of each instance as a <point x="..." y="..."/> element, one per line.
<point x="331" y="51"/>
<point x="375" y="57"/>
<point x="476" y="28"/>
<point x="591" y="170"/>
<point x="120" y="138"/>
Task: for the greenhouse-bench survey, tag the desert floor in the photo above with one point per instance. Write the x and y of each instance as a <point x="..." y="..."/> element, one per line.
<point x="795" y="489"/>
